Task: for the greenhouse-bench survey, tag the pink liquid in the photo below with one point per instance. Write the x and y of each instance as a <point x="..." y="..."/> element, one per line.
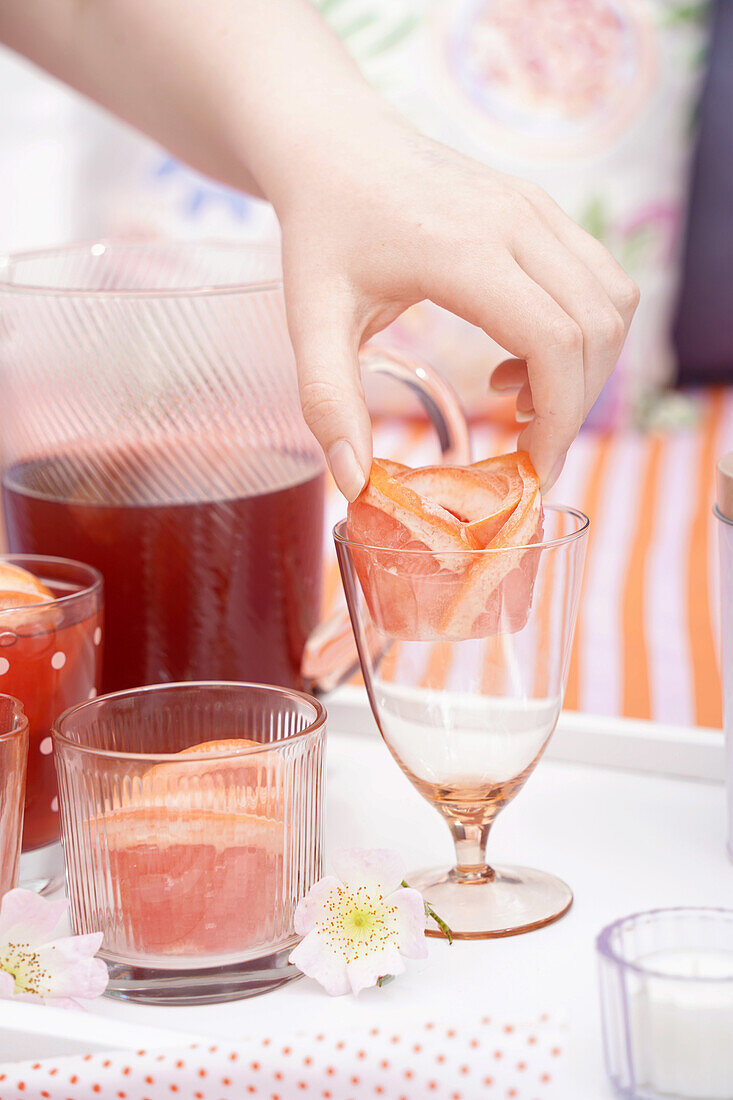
<point x="192" y="883"/>
<point x="195" y="900"/>
<point x="52" y="664"/>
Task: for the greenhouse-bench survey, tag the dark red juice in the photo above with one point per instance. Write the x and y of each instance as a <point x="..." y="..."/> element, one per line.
<point x="202" y="589"/>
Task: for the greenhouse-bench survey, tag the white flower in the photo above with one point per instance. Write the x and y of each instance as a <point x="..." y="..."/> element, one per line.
<point x="34" y="966"/>
<point x="357" y="924"/>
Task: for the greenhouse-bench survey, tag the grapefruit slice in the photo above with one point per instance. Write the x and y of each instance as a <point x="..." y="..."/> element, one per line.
<point x="496" y="593"/>
<point x="15" y="579"/>
<point x="195" y="854"/>
<point x="240" y="781"/>
<point x="20" y="590"/>
<point x="389" y="513"/>
<point x="10" y="601"/>
<point x="401" y="588"/>
<point x="493" y="505"/>
<point x="190" y="883"/>
<point x="482" y="502"/>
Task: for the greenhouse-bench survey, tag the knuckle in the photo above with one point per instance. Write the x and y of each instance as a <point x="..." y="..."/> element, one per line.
<point x="563" y="333"/>
<point x="320" y="401"/>
<point x="628" y="295"/>
<point x="515" y="209"/>
<point x="524" y="210"/>
<point x="533" y="193"/>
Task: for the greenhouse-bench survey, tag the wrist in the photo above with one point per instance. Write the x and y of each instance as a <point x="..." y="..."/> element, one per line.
<point x="334" y="158"/>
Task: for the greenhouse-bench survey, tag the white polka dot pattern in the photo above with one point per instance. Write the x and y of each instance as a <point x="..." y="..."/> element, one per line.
<point x="46" y="746"/>
<point x="416" y="1062"/>
<point x="4" y="665"/>
<point x="58" y="660"/>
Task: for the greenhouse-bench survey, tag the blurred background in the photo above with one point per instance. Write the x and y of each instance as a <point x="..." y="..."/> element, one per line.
<point x="619" y="108"/>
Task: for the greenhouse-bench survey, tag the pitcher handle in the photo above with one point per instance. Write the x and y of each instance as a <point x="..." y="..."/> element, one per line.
<point x="437" y="397"/>
<point x="330" y="654"/>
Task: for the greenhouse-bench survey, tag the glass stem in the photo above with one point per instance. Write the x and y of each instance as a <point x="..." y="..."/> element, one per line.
<point x="470" y="842"/>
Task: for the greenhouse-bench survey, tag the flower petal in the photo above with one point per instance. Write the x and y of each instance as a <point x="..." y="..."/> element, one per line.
<point x="311" y="908"/>
<point x="378" y="870"/>
<point x="26" y="917"/>
<point x="366" y="971"/>
<point x="31" y="998"/>
<point x="7" y="984"/>
<point x="411" y="922"/>
<point x="62" y="1002"/>
<point x="74" y="972"/>
<point x="315" y="958"/>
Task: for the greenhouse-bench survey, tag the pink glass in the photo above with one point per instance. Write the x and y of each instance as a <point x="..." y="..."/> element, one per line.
<point x="467" y="720"/>
<point x="13" y="756"/>
<point x="152" y="427"/>
<point x="192" y="862"/>
<point x="50" y="658"/>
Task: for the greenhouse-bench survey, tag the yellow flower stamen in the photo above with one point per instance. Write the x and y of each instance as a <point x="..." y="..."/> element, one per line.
<point x="23" y="964"/>
<point x="358" y="923"/>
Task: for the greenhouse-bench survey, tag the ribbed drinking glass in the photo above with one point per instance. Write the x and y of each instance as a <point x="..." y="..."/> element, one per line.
<point x="192" y="825"/>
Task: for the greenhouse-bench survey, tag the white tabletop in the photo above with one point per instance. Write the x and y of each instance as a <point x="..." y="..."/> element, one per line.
<point x="625" y="842"/>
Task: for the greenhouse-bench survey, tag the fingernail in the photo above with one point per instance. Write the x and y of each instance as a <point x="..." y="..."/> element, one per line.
<point x="523" y="417"/>
<point x="346" y="471"/>
<point x="504" y="387"/>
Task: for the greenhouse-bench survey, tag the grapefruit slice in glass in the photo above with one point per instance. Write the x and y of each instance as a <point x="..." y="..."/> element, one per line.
<point x="444" y="513"/>
<point x="19" y="591"/>
<point x="196" y="855"/>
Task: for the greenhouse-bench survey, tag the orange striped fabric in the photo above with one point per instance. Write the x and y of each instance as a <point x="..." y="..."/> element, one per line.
<point x="647" y="637"/>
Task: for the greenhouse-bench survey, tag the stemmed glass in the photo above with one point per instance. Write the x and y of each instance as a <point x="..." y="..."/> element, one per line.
<point x="467" y="719"/>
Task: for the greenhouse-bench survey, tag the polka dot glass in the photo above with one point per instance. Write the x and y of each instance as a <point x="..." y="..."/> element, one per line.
<point x="50" y="659"/>
<point x="13" y="755"/>
<point x="192" y="826"/>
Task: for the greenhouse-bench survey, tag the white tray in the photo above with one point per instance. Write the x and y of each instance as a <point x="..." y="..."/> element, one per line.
<point x="35" y="1031"/>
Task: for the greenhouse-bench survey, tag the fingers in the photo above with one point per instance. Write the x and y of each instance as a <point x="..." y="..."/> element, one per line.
<point x="523" y="445"/>
<point x="509" y="376"/>
<point x="527" y="321"/>
<point x="582" y="296"/>
<point x="331" y="392"/>
<point x="621" y="289"/>
<point x="525" y="405"/>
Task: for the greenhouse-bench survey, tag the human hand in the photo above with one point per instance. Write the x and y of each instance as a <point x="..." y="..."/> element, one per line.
<point x="375" y="217"/>
<point x="400" y="219"/>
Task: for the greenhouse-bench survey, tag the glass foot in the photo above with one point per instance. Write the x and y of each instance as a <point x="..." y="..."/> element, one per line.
<point x="191" y="986"/>
<point x="508" y="901"/>
<point x="42" y="869"/>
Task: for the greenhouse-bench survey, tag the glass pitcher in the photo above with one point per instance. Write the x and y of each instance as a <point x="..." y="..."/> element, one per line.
<point x="151" y="427"/>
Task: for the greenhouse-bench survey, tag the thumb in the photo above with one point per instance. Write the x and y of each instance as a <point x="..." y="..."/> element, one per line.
<point x="332" y="399"/>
